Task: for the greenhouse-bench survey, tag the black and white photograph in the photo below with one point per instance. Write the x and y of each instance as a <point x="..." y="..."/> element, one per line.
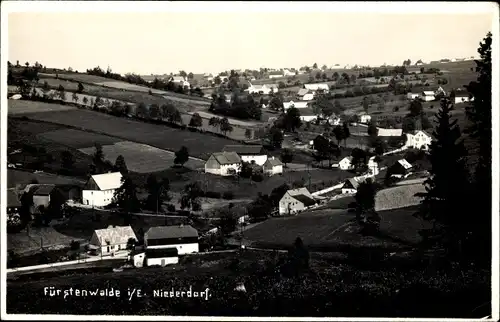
<point x="249" y="160"/>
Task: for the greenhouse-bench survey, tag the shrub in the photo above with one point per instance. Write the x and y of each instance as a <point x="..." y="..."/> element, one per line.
<point x="257" y="177"/>
<point x="74" y="245"/>
<point x="228" y="195"/>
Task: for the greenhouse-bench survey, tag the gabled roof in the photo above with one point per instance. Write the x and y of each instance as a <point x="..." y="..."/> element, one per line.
<point x="179" y="231"/>
<point x="42" y="189"/>
<point x="245" y="149"/>
<point x="107" y="181"/>
<point x="405" y="164"/>
<point x="349" y="158"/>
<point x="428" y="93"/>
<point x="115" y="235"/>
<point x="272" y="162"/>
<point x="307" y="201"/>
<point x="300" y="191"/>
<point x="303" y="91"/>
<point x="426" y="133"/>
<point x="314" y="86"/>
<point x="12" y="199"/>
<point x="352" y="182"/>
<point x="226" y="157"/>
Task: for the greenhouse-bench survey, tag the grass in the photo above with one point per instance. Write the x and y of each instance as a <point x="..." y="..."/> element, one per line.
<point x="37" y="238"/>
<point x="18" y="107"/>
<point x="15" y="177"/>
<point x="77" y="139"/>
<point x="159" y="136"/>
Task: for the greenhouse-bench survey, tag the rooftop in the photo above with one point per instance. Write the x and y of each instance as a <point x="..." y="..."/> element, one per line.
<point x="226" y="157"/>
<point x="170" y="232"/>
<point x="244" y="149"/>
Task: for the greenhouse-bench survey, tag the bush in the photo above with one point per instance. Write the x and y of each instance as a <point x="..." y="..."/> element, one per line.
<point x="74" y="245"/>
<point x="228" y="195"/>
<point x="257" y="177"/>
<point x="212" y="194"/>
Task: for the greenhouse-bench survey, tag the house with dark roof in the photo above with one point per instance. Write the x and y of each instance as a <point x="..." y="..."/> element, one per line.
<point x="272" y="166"/>
<point x="183" y="238"/>
<point x="223" y="163"/>
<point x="295" y="201"/>
<point x="248" y="153"/>
<point x="42" y="194"/>
<point x="350" y="186"/>
<point x="400" y="169"/>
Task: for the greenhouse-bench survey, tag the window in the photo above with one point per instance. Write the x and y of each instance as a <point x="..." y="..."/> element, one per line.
<point x="119" y="247"/>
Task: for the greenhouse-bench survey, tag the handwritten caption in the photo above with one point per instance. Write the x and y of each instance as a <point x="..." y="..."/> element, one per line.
<point x="131" y="293"/>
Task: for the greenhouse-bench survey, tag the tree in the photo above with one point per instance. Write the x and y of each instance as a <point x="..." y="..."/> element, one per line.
<point x="227" y="221"/>
<point x="131" y="243"/>
<point x="292" y="119"/>
<point x="286" y="156"/>
<point x="80" y="87"/>
<point x="98" y="158"/>
<point x="190" y="76"/>
<point x="298" y="257"/>
<point x="196" y="120"/>
<point x="214" y="122"/>
<point x="409" y="124"/>
<point x="338" y="131"/>
<point x="85" y="100"/>
<point x="366" y="104"/>
<point x="248" y="134"/>
<point x="61" y="92"/>
<point x="125" y="196"/>
<point x="275" y="137"/>
<point x="142" y="110"/>
<point x="190" y="198"/>
<point x="67" y="160"/>
<point x="154" y="112"/>
<point x="26" y="207"/>
<point x="225" y="126"/>
<point x="416" y="108"/>
<point x="479" y="113"/>
<point x="365" y="206"/>
<point x="315" y="66"/>
<point x="75" y="97"/>
<point x="157" y="192"/>
<point x="120" y="165"/>
<point x="181" y="156"/>
<point x="445" y="202"/>
<point x="347" y="132"/>
<point x="276" y="104"/>
<point x="372" y="130"/>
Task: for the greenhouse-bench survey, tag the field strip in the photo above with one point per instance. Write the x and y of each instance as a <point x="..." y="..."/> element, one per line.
<point x="337" y="229"/>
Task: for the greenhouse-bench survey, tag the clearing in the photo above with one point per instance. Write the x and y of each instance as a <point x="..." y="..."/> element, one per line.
<point x="15" y="177"/>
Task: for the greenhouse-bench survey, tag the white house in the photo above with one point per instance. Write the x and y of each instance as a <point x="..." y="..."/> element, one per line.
<point x="364" y="118"/>
<point x="272" y="166"/>
<point x="223" y="163"/>
<point x="112" y="239"/>
<point x="440" y="90"/>
<point x="418" y="140"/>
<point x="373" y="166"/>
<point x="288" y="72"/>
<point x="389" y="132"/>
<point x="296" y="200"/>
<point x="346" y="163"/>
<point x="462" y="99"/>
<point x="179" y="80"/>
<point x="100" y="189"/>
<point x="265" y="89"/>
<point x="297" y="104"/>
<point x="317" y="87"/>
<point x="308" y="118"/>
<point x="161" y="256"/>
<point x="428" y="96"/>
<point x="412" y="96"/>
<point x="350" y="186"/>
<point x="182" y="237"/>
<point x="248" y="153"/>
<point x="137" y="258"/>
<point x="276" y="74"/>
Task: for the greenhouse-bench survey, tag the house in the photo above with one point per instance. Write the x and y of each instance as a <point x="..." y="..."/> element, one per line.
<point x="272" y="166"/>
<point x="462" y="98"/>
<point x="440" y="90"/>
<point x="346" y="163"/>
<point x="364" y="118"/>
<point x="419" y="63"/>
<point x="412" y="96"/>
<point x="389" y="132"/>
<point x="111" y="239"/>
<point x="400" y="169"/>
<point x="41" y="194"/>
<point x="428" y="96"/>
<point x="137" y="258"/>
<point x="413" y="70"/>
<point x="100" y="189"/>
<point x="308" y="97"/>
<point x="223" y="163"/>
<point x="298" y="104"/>
<point x="373" y="165"/>
<point x="296" y="200"/>
<point x="276" y="74"/>
<point x="13" y="203"/>
<point x="265" y="89"/>
<point x="307" y="115"/>
<point x="182" y="237"/>
<point x="161" y="256"/>
<point x="305" y="95"/>
<point x="248" y="153"/>
<point x="179" y="81"/>
<point x="418" y="140"/>
<point x="288" y="72"/>
<point x="70" y="192"/>
<point x="317" y="87"/>
<point x="350" y="186"/>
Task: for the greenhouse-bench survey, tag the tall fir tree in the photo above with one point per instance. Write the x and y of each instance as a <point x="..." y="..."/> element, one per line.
<point x="446" y="196"/>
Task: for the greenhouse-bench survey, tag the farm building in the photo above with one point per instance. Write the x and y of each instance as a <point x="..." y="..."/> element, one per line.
<point x="248" y="153"/>
<point x="137" y="258"/>
<point x="307" y="115"/>
<point x="296" y="200"/>
<point x="42" y="194"/>
<point x="463" y="99"/>
<point x="346" y="163"/>
<point x="427" y="96"/>
<point x="265" y="89"/>
<point x="223" y="163"/>
<point x="288" y="72"/>
<point x="112" y="239"/>
<point x="350" y="186"/>
<point x="179" y="81"/>
<point x="317" y="87"/>
<point x="413" y="70"/>
<point x="184" y="238"/>
<point x="418" y="140"/>
<point x="400" y="169"/>
<point x="161" y="256"/>
<point x="273" y="166"/>
<point x="440" y="90"/>
<point x="373" y="165"/>
<point x="412" y="96"/>
<point x="298" y="104"/>
<point x="389" y="132"/>
<point x="100" y="189"/>
<point x="276" y="74"/>
<point x="13" y="203"/>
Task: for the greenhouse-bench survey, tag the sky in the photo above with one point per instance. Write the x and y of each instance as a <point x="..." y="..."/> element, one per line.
<point x="199" y="42"/>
